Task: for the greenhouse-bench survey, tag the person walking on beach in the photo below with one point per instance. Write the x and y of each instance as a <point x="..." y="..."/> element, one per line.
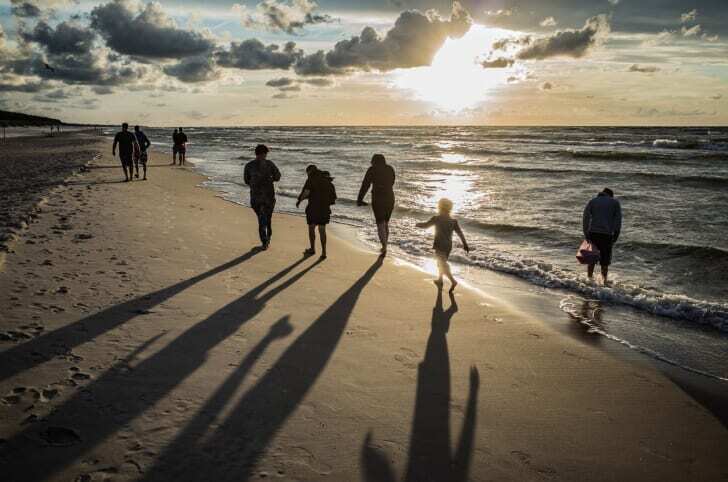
<point x="602" y="223"/>
<point x="175" y="151"/>
<point x="321" y="194"/>
<point x="182" y="146"/>
<point x="260" y="174"/>
<point x="444" y="227"/>
<point x="142" y="158"/>
<point x="380" y="177"/>
<point x="127" y="146"/>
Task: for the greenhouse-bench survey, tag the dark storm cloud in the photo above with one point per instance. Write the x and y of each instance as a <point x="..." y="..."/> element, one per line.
<point x="252" y="54"/>
<point x="66" y="38"/>
<point x="289" y="17"/>
<point x="194" y="69"/>
<point x="148" y="32"/>
<point x="24" y="9"/>
<point x="568" y="43"/>
<point x="411" y="42"/>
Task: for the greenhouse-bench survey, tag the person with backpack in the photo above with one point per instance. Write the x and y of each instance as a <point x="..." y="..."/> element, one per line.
<point x="321" y="194"/>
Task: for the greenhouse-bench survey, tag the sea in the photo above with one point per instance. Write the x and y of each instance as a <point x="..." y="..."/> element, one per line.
<point x="519" y="193"/>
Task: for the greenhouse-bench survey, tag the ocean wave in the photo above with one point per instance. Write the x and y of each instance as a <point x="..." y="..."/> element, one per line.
<point x="678" y="143"/>
<point x="573" y="307"/>
<point x="548" y="275"/>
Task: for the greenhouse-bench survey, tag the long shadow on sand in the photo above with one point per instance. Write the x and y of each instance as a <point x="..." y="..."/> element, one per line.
<point x="62" y="340"/>
<point x="231" y="452"/>
<point x="96" y="412"/>
<point x="429" y="450"/>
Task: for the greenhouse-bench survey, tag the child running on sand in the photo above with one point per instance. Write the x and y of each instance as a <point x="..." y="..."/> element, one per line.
<point x="444" y="227"/>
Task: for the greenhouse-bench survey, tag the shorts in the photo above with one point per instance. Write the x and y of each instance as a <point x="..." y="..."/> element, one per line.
<point x="126" y="159"/>
<point x="317" y="217"/>
<point x="142" y="158"/>
<point x="382" y="211"/>
<point x="175" y="149"/>
<point x="604" y="243"/>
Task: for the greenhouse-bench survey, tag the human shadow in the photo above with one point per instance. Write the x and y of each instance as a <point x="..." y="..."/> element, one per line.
<point x="143" y="385"/>
<point x="430" y="455"/>
<point x="231" y="452"/>
<point x="61" y="341"/>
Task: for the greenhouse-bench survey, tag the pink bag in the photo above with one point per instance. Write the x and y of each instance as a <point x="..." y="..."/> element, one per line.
<point x="587" y="253"/>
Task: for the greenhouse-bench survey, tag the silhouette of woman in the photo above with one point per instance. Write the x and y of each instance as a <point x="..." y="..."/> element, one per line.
<point x="380" y="177"/>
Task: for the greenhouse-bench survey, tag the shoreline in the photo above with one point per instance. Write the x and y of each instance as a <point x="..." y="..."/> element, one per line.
<point x="160" y="346"/>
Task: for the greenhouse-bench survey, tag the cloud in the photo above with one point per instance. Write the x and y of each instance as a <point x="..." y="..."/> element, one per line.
<point x="252" y="54"/>
<point x="497" y="63"/>
<point x="499" y="13"/>
<point x="102" y="90"/>
<point x="287" y="84"/>
<point x="282" y="95"/>
<point x="665" y="37"/>
<point x="614" y="2"/>
<point x="196" y="114"/>
<point x="648" y="69"/>
<point x="276" y="15"/>
<point x="201" y="68"/>
<point x="689" y="16"/>
<point x="716" y="97"/>
<point x="568" y="43"/>
<point x="693" y="31"/>
<point x="66" y="38"/>
<point x="280" y="82"/>
<point x="413" y="41"/>
<point x="28" y="87"/>
<point x="710" y="38"/>
<point x="546" y="86"/>
<point x="145" y="32"/>
<point x="548" y="22"/>
<point x="24" y="9"/>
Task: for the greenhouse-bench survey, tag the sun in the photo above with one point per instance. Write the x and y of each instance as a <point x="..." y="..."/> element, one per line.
<point x="456" y="81"/>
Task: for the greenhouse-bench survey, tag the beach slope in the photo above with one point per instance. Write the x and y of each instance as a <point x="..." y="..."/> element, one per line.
<point x="148" y="340"/>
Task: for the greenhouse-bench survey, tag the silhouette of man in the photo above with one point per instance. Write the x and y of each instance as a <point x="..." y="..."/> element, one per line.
<point x="260" y="174"/>
<point x="602" y="223"/>
<point x="127" y="145"/>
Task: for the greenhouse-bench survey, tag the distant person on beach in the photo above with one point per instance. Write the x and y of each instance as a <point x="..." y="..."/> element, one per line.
<point x="127" y="143"/>
<point x="321" y="194"/>
<point x="182" y="146"/>
<point x="260" y="174"/>
<point x="175" y="148"/>
<point x="143" y="157"/>
<point x="602" y="223"/>
<point x="444" y="227"/>
<point x="380" y="177"/>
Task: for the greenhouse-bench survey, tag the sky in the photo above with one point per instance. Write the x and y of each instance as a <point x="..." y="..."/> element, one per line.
<point x="367" y="62"/>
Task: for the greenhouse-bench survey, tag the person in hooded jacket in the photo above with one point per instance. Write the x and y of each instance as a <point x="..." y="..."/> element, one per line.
<point x="320" y="192"/>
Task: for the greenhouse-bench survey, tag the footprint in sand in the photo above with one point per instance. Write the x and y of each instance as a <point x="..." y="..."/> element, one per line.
<point x="407" y="357"/>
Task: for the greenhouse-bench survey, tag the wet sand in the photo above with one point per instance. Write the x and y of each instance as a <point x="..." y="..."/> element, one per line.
<point x="147" y="341"/>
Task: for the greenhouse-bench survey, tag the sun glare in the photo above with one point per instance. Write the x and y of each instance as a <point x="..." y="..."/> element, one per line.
<point x="455" y="80"/>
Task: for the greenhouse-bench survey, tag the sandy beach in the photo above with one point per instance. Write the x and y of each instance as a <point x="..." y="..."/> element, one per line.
<point x="143" y="338"/>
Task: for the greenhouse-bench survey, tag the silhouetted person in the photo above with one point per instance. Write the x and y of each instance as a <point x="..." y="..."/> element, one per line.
<point x="380" y="176"/>
<point x="602" y="223"/>
<point x="143" y="157"/>
<point x="175" y="146"/>
<point x="127" y="146"/>
<point x="444" y="227"/>
<point x="182" y="147"/>
<point x="260" y="174"/>
<point x="321" y="194"/>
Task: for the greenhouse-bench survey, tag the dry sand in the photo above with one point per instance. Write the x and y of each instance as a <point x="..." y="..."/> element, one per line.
<point x="146" y="341"/>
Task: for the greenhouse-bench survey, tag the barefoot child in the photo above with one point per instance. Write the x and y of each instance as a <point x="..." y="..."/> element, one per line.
<point x="444" y="227"/>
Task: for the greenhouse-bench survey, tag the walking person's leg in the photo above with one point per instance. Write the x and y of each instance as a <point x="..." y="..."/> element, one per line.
<point x="312" y="240"/>
<point x="322" y="236"/>
<point x="136" y="165"/>
<point x="382" y="233"/>
<point x="440" y="269"/>
<point x="269" y="224"/>
<point x="590" y="270"/>
<point x="262" y="231"/>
